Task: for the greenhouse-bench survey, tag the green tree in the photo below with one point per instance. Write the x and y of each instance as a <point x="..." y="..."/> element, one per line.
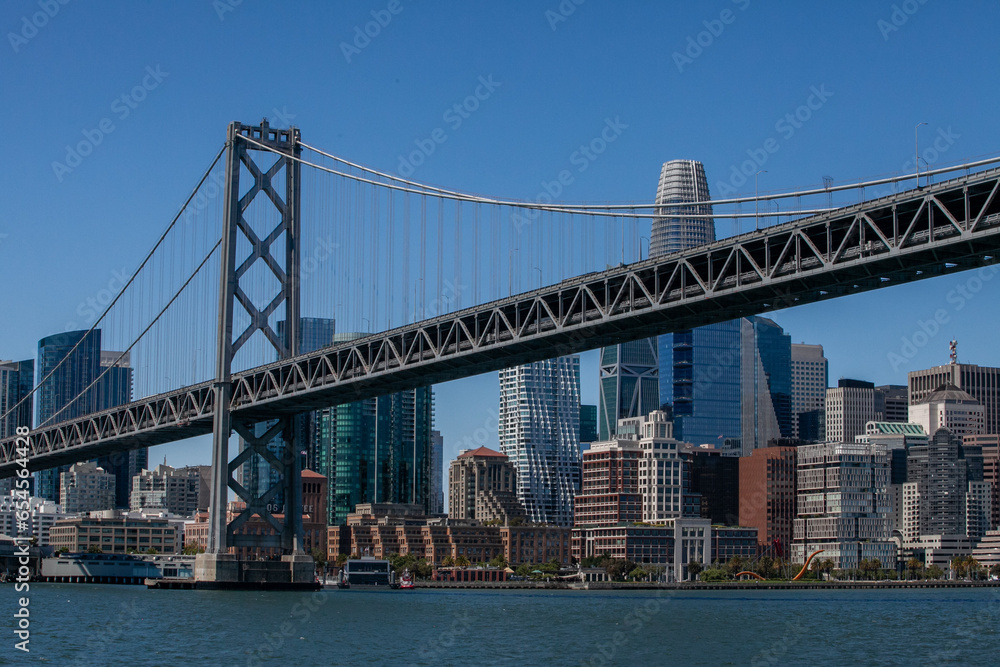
<point x="914" y="568"/>
<point x="192" y="549"/>
<point x="319" y="556"/>
<point x="995" y="570"/>
<point x="448" y="561"/>
<point x="462" y="561"/>
<point x="617" y="569"/>
<point x="934" y="572"/>
<point x="716" y="574"/>
<point x="341" y="560"/>
<point x="523" y="570"/>
<point x="735" y="564"/>
<point x="94" y="549"/>
<point x="694" y="569"/>
<point x="498" y="561"/>
<point x="638" y="574"/>
<point x="765" y="567"/>
<point x="152" y="551"/>
<point x="960" y="566"/>
<point x="62" y="550"/>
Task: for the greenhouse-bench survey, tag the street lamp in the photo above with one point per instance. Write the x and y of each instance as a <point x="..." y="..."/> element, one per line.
<point x="756" y="201"/>
<point x="916" y="152"/>
<point x="539" y="277"/>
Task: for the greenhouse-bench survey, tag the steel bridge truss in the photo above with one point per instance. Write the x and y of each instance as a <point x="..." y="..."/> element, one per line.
<point x="949" y="226"/>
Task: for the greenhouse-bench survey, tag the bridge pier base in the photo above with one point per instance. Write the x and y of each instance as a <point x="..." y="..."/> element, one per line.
<point x="216" y="567"/>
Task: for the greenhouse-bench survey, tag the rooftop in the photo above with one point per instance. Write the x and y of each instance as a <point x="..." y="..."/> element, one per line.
<point x="481" y="451"/>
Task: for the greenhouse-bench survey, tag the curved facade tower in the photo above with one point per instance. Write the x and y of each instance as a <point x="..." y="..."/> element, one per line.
<point x="681" y="181"/>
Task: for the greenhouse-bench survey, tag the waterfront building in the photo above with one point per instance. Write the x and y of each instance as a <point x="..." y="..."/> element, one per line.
<point x="981" y="382"/>
<point x="177" y="491"/>
<point x="849" y="406"/>
<point x="729" y="542"/>
<point x="266" y="538"/>
<point x="672" y="544"/>
<point x="85" y="487"/>
<point x="610" y="490"/>
<point x="987" y="551"/>
<point x="951" y="408"/>
<point x="115" y="534"/>
<point x="768" y="494"/>
<point x="436" y="505"/>
<point x="539" y="431"/>
<point x="42" y="515"/>
<point x="810" y="378"/>
<point x="482" y="485"/>
<point x="843" y="504"/>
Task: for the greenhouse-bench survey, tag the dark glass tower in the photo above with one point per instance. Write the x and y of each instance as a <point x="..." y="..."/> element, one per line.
<point x="16" y="381"/>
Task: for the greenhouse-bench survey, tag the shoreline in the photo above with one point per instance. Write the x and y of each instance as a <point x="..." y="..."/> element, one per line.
<point x="704" y="586"/>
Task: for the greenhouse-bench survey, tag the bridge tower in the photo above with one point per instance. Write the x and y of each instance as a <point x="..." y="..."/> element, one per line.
<point x="279" y="185"/>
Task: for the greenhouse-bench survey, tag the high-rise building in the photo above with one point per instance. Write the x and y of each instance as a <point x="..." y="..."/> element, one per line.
<point x="482" y="485"/>
<point x="938" y="476"/>
<point x="715" y="479"/>
<point x="539" y="429"/>
<point x="849" y="406"/>
<point x="85" y="487"/>
<point x="990" y="447"/>
<point x="377" y="450"/>
<point x="437" y="473"/>
<point x="894" y="401"/>
<point x="810" y="378"/>
<point x="610" y="489"/>
<point x="843" y="504"/>
<point x="256" y="475"/>
<point x="66" y="396"/>
<point x="951" y="408"/>
<point x="898" y="438"/>
<point x="681" y="181"/>
<point x="16" y="382"/>
<point x="981" y="382"/>
<point x="768" y="494"/>
<point x="588" y="424"/>
<point x="172" y="489"/>
<point x="629" y="384"/>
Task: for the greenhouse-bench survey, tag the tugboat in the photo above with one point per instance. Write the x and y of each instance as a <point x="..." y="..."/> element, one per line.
<point x="405" y="581"/>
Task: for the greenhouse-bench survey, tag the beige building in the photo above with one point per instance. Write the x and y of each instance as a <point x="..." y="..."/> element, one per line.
<point x="168" y="488"/>
<point x="117" y="535"/>
<point x="86" y="488"/>
<point x="482" y="485"/>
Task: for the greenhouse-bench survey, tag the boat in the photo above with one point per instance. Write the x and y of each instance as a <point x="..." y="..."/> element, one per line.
<point x="405" y="581"/>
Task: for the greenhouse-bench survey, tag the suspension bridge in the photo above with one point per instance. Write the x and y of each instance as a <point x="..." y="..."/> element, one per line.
<point x="277" y="230"/>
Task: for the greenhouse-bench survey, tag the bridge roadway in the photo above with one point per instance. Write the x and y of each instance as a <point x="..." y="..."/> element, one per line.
<point x="915" y="234"/>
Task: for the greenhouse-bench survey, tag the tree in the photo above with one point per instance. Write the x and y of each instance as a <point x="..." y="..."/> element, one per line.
<point x="320" y="557"/>
<point x="913" y="568"/>
<point x="341" y="560"/>
<point x="94" y="549"/>
<point x="637" y="574"/>
<point x="617" y="569"/>
<point x="934" y="572"/>
<point x="765" y="566"/>
<point x="448" y="561"/>
<point x="462" y="561"/>
<point x="191" y="549"/>
<point x="152" y="551"/>
<point x="735" y="564"/>
<point x="523" y="570"/>
<point x="715" y="574"/>
<point x="995" y="570"/>
<point x="498" y="561"/>
<point x="62" y="550"/>
<point x="960" y="566"/>
<point x="694" y="568"/>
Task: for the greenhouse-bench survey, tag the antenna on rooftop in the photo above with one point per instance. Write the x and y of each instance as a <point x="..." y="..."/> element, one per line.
<point x="953" y="351"/>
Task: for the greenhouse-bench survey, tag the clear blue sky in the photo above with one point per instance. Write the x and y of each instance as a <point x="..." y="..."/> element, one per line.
<point x="881" y="71"/>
